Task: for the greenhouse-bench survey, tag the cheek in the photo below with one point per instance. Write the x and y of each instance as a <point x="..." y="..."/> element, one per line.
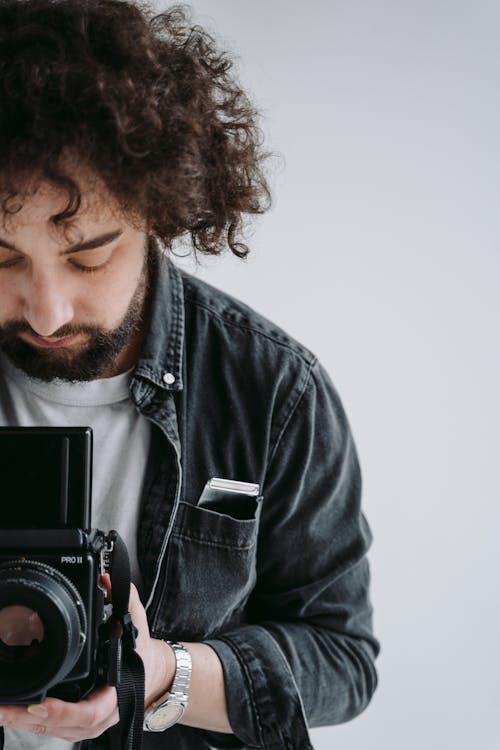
<point x="107" y="300"/>
<point x="10" y="300"/>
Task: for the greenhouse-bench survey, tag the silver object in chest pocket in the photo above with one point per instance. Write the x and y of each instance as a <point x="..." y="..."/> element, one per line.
<point x="231" y="497"/>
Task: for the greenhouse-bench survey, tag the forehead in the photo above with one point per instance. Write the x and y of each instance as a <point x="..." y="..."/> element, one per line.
<point x="39" y="205"/>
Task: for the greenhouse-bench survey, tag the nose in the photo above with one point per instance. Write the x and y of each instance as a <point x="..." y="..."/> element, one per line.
<point x="47" y="304"/>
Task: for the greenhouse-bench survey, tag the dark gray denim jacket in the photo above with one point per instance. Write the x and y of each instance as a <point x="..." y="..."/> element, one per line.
<point x="279" y="588"/>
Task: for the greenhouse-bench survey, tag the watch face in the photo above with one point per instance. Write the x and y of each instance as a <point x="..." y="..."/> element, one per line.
<point x="165" y="716"/>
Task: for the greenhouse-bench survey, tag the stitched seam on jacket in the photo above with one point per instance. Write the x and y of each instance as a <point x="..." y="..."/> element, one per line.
<point x="292" y="411"/>
<point x="253" y="329"/>
<point x="286" y="663"/>
<point x="234" y="648"/>
<point x="212" y="542"/>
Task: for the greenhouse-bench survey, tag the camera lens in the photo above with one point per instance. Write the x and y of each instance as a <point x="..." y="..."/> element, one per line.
<point x="21" y="633"/>
<point x="42" y="629"/>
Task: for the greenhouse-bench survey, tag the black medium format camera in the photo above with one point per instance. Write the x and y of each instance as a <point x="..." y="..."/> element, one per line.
<point x="53" y="631"/>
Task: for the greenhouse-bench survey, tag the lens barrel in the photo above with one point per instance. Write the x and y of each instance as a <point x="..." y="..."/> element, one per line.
<point x="29" y="669"/>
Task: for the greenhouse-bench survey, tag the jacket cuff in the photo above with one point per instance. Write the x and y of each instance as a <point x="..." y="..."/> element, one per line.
<point x="264" y="705"/>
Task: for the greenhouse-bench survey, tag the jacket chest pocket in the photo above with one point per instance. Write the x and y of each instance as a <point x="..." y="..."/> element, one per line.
<point x="209" y="567"/>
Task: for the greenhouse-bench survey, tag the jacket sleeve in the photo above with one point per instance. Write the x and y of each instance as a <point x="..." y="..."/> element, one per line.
<point x="305" y="656"/>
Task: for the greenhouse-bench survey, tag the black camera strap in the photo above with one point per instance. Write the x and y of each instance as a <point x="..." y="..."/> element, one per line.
<point x="125" y="664"/>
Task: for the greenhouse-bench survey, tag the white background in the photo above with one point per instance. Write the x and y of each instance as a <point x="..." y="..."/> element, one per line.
<point x="381" y="254"/>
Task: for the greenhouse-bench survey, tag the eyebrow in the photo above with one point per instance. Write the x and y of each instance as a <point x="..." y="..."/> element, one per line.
<point x="103" y="239"/>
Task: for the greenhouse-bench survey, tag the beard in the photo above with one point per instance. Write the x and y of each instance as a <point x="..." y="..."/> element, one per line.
<point x="93" y="361"/>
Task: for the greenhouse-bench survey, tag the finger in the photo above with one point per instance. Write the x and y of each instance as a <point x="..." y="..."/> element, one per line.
<point x="105" y="582"/>
<point x="89" y="712"/>
<point x="134" y="602"/>
<point x="14" y="715"/>
<point x="93" y="711"/>
<point x="138" y="614"/>
<point x="72" y="734"/>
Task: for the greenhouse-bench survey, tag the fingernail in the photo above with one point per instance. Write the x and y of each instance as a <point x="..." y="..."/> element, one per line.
<point x="38" y="710"/>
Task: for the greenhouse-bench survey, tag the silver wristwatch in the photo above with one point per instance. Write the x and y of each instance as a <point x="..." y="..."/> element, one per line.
<point x="167" y="710"/>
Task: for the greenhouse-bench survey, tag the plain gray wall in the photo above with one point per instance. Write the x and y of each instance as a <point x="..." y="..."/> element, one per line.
<point x="381" y="254"/>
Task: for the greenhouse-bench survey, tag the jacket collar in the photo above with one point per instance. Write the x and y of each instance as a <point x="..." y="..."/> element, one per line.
<point x="160" y="359"/>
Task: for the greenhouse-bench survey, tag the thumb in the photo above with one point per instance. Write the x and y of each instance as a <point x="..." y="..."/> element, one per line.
<point x="138" y="613"/>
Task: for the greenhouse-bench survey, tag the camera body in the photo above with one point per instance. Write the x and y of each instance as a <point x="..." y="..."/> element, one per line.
<point x="53" y="627"/>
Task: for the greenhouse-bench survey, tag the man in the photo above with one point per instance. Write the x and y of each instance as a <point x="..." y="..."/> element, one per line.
<point x="119" y="133"/>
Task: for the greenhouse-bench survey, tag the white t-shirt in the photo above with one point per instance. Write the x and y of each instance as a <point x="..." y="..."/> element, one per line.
<point x="121" y="445"/>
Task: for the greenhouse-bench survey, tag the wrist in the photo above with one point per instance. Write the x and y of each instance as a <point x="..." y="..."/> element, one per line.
<point x="162" y="672"/>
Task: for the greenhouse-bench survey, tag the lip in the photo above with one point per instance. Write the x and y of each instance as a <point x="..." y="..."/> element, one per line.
<point x="47" y="342"/>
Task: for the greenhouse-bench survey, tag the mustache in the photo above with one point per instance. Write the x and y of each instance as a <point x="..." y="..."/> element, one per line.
<point x="15" y="327"/>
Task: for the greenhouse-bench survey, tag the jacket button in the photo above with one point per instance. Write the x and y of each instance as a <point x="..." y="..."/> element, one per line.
<point x="168" y="378"/>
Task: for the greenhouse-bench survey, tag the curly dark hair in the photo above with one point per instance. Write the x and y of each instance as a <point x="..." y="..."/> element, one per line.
<point x="146" y="100"/>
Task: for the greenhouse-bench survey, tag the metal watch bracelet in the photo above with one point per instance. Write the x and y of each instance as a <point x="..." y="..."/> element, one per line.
<point x="169" y="708"/>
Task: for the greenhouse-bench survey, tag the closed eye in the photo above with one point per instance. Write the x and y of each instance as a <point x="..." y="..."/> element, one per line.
<point x="10" y="261"/>
<point x="91" y="260"/>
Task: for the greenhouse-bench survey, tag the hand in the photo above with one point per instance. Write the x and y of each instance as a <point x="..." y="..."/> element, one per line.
<point x="69" y="721"/>
<point x="96" y="713"/>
